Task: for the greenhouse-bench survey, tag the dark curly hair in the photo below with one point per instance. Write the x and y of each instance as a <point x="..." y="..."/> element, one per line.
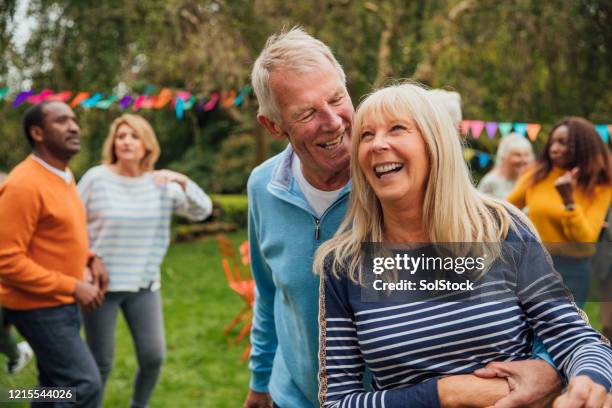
<point x="585" y="149"/>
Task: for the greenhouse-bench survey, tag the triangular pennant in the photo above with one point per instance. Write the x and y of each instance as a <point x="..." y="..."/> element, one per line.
<point x="210" y="105"/>
<point x="532" y="130"/>
<point x="80" y="97"/>
<point x="125" y="102"/>
<point x="468" y="154"/>
<point x="105" y="104"/>
<point x="22" y="97"/>
<point x="164" y="97"/>
<point x="483" y="160"/>
<point x="520" y="128"/>
<point x="476" y="127"/>
<point x="244" y="91"/>
<point x="43" y="95"/>
<point x="148" y="102"/>
<point x="505" y="128"/>
<point x="189" y="103"/>
<point x="464" y="127"/>
<point x="491" y="129"/>
<point x="3" y="92"/>
<point x="92" y="101"/>
<point x="604" y="132"/>
<point x="62" y="96"/>
<point x="228" y="98"/>
<point x="178" y="107"/>
<point x="138" y="102"/>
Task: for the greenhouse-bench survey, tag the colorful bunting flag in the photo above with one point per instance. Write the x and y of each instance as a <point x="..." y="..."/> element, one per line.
<point x="62" y="96"/>
<point x="80" y="97"/>
<point x="21" y="98"/>
<point x="210" y="105"/>
<point x="532" y="130"/>
<point x="105" y="104"/>
<point x="92" y="101"/>
<point x="604" y="132"/>
<point x="468" y="154"/>
<point x="505" y="128"/>
<point x="476" y="126"/>
<point x="491" y="129"/>
<point x="483" y="160"/>
<point x="520" y="128"/>
<point x="464" y="126"/>
<point x="3" y="92"/>
<point x="43" y="95"/>
<point x="125" y="102"/>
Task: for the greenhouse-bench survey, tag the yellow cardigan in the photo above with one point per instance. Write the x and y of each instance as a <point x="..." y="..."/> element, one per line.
<point x="554" y="223"/>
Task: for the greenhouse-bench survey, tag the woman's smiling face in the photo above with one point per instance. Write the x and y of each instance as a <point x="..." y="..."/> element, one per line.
<point x="394" y="159"/>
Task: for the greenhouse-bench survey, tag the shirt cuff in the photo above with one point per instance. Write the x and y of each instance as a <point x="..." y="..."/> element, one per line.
<point x="259" y="382"/>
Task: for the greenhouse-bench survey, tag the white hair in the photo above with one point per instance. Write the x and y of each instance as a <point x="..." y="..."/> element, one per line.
<point x="451" y="101"/>
<point x="510" y="143"/>
<point x="294" y="50"/>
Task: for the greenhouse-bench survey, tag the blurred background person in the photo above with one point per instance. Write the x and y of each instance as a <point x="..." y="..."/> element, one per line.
<point x="129" y="209"/>
<point x="567" y="193"/>
<point x="514" y="154"/>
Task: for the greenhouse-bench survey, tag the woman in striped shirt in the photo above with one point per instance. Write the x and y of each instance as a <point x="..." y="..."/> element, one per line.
<point x="411" y="185"/>
<point x="129" y="209"/>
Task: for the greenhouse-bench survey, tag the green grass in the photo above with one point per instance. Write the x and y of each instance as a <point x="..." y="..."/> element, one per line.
<point x="201" y="368"/>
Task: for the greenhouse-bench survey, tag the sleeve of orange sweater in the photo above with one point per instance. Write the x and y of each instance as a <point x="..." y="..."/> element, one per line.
<point x="19" y="217"/>
<point x="584" y="224"/>
<point x="518" y="195"/>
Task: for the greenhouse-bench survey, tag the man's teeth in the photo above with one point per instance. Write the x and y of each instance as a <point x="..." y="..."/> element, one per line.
<point x="384" y="168"/>
<point x="332" y="143"/>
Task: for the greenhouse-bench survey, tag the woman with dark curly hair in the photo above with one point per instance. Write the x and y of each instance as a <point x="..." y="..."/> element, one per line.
<point x="568" y="193"/>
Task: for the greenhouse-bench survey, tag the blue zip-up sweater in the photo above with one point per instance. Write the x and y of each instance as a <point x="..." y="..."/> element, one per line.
<point x="284" y="234"/>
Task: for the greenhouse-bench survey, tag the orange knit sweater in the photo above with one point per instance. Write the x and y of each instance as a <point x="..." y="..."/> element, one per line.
<point x="43" y="238"/>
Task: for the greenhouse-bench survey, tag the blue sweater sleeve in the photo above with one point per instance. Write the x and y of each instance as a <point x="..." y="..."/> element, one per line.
<point x="342" y="365"/>
<point x="574" y="346"/>
<point x="263" y="331"/>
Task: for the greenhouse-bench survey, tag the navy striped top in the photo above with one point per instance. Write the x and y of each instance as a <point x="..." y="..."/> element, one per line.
<point x="407" y="345"/>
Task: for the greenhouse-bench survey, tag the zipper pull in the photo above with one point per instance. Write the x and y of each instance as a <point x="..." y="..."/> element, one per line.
<point x="317" y="229"/>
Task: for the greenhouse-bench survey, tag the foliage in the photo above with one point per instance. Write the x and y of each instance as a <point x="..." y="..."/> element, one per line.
<point x="234" y="208"/>
<point x="524" y="60"/>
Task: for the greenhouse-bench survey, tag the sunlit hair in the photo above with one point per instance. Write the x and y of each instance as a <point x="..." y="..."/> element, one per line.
<point x="586" y="151"/>
<point x="294" y="50"/>
<point x="512" y="143"/>
<point x="451" y="101"/>
<point x="453" y="210"/>
<point x="144" y="131"/>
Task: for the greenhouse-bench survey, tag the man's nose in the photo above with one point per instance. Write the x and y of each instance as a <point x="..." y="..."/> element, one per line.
<point x="74" y="127"/>
<point x="332" y="120"/>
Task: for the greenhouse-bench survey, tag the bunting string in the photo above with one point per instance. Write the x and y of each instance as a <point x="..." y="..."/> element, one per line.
<point x="529" y="130"/>
<point x="179" y="100"/>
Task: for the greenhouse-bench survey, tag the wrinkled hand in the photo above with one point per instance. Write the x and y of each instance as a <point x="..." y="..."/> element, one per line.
<point x="583" y="392"/>
<point x="533" y="383"/>
<point x="256" y="399"/>
<point x="566" y="184"/>
<point x="163" y="177"/>
<point x="98" y="273"/>
<point x="87" y="295"/>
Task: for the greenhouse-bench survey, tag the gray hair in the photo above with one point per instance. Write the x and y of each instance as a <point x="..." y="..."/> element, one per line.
<point x="295" y="50"/>
<point x="510" y="143"/>
<point x="451" y="101"/>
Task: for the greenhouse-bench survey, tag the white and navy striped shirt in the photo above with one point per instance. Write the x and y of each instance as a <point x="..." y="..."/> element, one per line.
<point x="408" y="345"/>
<point x="128" y="221"/>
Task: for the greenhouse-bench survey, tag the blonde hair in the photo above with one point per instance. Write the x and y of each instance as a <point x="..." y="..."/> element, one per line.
<point x="144" y="131"/>
<point x="294" y="50"/>
<point x="453" y="210"/>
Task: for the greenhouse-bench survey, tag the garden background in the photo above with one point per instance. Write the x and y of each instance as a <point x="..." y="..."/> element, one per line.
<point x="524" y="61"/>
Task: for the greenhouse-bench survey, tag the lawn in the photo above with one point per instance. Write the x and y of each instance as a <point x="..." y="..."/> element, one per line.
<point x="202" y="369"/>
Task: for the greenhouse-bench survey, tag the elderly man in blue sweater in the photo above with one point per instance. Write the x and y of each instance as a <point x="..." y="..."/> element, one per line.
<point x="297" y="200"/>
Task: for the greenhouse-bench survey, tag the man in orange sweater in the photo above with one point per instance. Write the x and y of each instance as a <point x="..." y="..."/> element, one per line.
<point x="44" y="254"/>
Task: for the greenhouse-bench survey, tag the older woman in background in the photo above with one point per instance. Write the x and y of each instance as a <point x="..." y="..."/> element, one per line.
<point x="411" y="185"/>
<point x="129" y="208"/>
<point x="514" y="154"/>
<point x="567" y="194"/>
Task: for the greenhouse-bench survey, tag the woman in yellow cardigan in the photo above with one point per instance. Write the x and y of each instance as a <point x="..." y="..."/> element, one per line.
<point x="567" y="193"/>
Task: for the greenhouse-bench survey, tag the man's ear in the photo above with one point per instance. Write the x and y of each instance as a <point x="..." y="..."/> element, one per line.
<point x="271" y="126"/>
<point x="37" y="134"/>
